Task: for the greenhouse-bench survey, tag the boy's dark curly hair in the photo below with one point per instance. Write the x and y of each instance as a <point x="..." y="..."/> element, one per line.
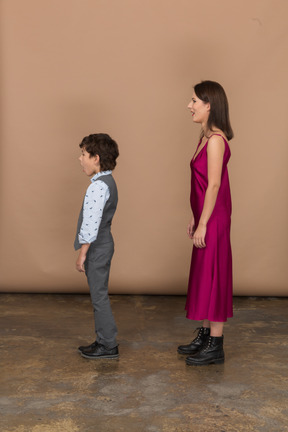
<point x="103" y="145"/>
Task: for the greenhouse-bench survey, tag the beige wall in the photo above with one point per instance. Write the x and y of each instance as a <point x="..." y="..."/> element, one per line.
<point x="126" y="67"/>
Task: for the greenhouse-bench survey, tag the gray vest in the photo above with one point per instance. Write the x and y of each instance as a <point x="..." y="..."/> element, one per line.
<point x="104" y="232"/>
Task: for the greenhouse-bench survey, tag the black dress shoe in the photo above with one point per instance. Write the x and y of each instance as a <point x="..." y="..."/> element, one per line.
<point x="197" y="343"/>
<point x="211" y="352"/>
<point x="100" y="351"/>
<point x="88" y="347"/>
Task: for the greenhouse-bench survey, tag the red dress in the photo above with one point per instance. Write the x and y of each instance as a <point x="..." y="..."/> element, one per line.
<point x="210" y="283"/>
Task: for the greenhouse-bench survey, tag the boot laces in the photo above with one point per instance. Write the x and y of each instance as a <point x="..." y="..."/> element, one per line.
<point x="200" y="333"/>
<point x="208" y="344"/>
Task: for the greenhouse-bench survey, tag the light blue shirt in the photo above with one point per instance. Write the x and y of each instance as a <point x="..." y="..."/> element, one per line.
<point x="96" y="196"/>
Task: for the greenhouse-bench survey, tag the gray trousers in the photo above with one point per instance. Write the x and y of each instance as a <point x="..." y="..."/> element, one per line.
<point x="97" y="269"/>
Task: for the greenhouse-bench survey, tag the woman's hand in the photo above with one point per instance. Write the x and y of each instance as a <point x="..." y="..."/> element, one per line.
<point x="199" y="236"/>
<point x="191" y="228"/>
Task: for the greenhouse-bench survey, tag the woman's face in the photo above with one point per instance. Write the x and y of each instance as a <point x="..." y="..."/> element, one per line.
<point x="199" y="110"/>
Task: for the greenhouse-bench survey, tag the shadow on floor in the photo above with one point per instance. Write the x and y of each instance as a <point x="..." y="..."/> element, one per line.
<point x="47" y="386"/>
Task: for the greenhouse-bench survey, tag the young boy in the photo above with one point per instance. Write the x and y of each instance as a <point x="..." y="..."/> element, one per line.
<point x="94" y="239"/>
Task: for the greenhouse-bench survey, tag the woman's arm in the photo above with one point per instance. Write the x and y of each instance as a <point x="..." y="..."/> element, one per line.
<point x="215" y="153"/>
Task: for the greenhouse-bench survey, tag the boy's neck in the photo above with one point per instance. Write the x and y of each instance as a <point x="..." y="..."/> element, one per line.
<point x="97" y="170"/>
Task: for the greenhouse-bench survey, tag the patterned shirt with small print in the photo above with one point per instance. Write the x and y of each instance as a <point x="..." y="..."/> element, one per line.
<point x="96" y="196"/>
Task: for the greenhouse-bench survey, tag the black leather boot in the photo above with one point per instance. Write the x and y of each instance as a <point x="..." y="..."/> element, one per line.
<point x="88" y="347"/>
<point x="197" y="343"/>
<point x="211" y="352"/>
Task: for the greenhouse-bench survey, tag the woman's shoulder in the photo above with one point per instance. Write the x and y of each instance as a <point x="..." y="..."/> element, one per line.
<point x="217" y="143"/>
<point x="217" y="136"/>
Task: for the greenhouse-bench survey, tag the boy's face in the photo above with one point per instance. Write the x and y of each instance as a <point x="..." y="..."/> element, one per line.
<point x="90" y="164"/>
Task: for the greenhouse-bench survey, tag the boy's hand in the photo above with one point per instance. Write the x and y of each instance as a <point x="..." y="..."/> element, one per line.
<point x="82" y="258"/>
<point x="80" y="263"/>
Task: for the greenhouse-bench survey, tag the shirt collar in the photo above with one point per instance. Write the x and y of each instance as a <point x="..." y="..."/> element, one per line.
<point x="101" y="173"/>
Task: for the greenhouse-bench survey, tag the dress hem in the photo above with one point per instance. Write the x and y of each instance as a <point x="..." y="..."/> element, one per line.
<point x="209" y="318"/>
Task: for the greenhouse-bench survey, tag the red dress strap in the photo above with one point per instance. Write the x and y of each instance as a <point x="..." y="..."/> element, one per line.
<point x="217" y="135"/>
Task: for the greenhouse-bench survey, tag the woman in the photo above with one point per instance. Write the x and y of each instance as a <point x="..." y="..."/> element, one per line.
<point x="210" y="283"/>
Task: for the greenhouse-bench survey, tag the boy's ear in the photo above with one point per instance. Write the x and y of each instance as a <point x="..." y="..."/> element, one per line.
<point x="97" y="159"/>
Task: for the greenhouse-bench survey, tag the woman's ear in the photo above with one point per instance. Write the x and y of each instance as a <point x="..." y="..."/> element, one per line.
<point x="208" y="106"/>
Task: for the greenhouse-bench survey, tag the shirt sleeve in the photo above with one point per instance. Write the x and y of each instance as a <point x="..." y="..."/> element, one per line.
<point x="96" y="197"/>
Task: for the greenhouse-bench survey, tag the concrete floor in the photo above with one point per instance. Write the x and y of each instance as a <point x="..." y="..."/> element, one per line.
<point x="45" y="385"/>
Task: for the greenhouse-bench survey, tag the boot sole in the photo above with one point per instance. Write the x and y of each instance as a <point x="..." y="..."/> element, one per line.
<point x="114" y="356"/>
<point x="208" y="362"/>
